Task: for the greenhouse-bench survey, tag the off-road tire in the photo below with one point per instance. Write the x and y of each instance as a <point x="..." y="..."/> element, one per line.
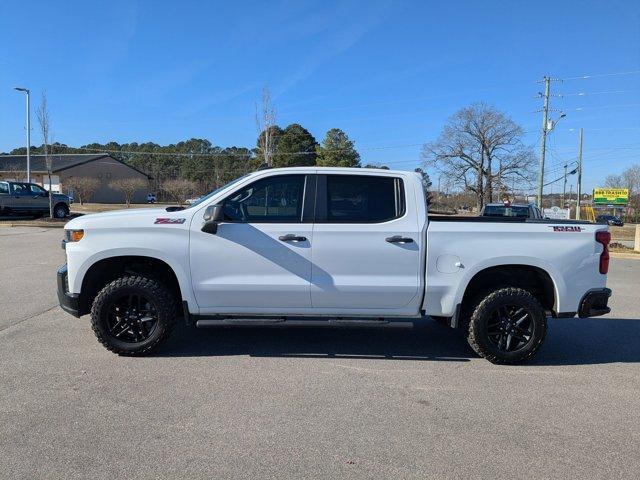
<point x="163" y="301"/>
<point x="478" y="316"/>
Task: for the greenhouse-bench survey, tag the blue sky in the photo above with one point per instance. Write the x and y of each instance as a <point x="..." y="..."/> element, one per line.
<point x="388" y="73"/>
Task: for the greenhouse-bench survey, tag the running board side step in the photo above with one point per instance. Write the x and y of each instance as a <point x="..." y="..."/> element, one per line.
<point x="299" y="322"/>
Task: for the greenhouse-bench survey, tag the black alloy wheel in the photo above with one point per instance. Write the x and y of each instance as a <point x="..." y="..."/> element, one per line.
<point x="510" y="327"/>
<point x="132" y="317"/>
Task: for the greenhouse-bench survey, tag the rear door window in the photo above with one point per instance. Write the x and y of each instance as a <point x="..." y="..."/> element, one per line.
<point x="363" y="199"/>
<point x="4" y="188"/>
<point x="21" y="189"/>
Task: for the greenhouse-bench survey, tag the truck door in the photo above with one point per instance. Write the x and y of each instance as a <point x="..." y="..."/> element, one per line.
<point x="20" y="197"/>
<point x="39" y="197"/>
<point x="366" y="245"/>
<point x="5" y="198"/>
<point x="260" y="256"/>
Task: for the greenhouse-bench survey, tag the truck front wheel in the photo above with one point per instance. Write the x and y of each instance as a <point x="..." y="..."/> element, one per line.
<point x="133" y="315"/>
<point x="60" y="210"/>
<point x="506" y="326"/>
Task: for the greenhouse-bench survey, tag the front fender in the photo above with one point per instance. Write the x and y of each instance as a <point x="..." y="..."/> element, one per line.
<point x="78" y="270"/>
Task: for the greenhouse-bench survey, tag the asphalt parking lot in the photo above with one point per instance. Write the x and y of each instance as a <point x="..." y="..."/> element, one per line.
<point x="308" y="403"/>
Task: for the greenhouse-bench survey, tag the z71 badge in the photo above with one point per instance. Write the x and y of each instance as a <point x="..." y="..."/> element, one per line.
<point x="566" y="229"/>
<point x="165" y="221"/>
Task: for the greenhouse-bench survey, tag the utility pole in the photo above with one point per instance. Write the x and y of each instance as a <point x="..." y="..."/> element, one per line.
<point x="545" y="121"/>
<point x="547" y="126"/>
<point x="579" y="177"/>
<point x="570" y="195"/>
<point x="564" y="188"/>
<point x="25" y="90"/>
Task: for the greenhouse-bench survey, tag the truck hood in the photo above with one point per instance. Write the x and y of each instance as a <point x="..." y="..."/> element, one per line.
<point x="132" y="217"/>
<point x="59" y="197"/>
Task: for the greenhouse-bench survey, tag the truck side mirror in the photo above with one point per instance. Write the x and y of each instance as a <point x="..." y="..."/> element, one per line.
<point x="212" y="217"/>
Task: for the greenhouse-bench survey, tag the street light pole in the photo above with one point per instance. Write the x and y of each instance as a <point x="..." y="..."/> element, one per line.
<point x="25" y="90"/>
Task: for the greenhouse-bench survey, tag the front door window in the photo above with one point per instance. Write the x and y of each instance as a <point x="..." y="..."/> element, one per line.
<point x="271" y="200"/>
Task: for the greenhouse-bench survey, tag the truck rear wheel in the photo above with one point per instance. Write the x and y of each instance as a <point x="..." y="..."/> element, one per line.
<point x="506" y="326"/>
<point x="133" y="315"/>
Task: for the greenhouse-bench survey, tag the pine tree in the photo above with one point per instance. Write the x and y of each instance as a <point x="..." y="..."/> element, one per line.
<point x="296" y="147"/>
<point x="337" y="150"/>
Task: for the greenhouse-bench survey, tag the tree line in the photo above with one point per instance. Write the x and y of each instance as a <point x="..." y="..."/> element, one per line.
<point x="208" y="166"/>
<point x="480" y="152"/>
<point x="194" y="166"/>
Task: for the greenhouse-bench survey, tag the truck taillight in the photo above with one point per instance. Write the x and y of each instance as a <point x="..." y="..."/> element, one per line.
<point x="604" y="238"/>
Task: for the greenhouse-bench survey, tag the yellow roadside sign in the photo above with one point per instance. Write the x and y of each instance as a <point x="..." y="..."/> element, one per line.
<point x="610" y="196"/>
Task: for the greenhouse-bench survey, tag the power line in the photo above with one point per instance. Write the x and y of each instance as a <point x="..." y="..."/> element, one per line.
<point x="585" y="94"/>
<point x="228" y="154"/>
<point x="623" y="105"/>
<point x="599" y="75"/>
<point x="606" y="128"/>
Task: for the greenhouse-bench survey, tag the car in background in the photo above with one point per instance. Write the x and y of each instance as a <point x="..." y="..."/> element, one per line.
<point x="507" y="209"/>
<point x="610" y="220"/>
<point x="31" y="198"/>
<point x="151" y="198"/>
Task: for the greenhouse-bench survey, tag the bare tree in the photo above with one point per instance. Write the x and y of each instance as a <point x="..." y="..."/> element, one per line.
<point x="128" y="187"/>
<point x="16" y="173"/>
<point x="83" y="187"/>
<point x="179" y="190"/>
<point x="614" y="181"/>
<point x="630" y="179"/>
<point x="45" y="124"/>
<point x="265" y="123"/>
<point x="479" y="145"/>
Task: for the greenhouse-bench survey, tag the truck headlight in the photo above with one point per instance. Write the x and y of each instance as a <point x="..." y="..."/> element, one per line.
<point x="73" y="235"/>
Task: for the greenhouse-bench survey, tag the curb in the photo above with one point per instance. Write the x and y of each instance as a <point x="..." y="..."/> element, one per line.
<point x="31" y="224"/>
<point x="634" y="256"/>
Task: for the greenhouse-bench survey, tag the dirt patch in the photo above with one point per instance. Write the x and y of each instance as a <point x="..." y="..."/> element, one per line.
<point x="628" y="232"/>
<point x="616" y="247"/>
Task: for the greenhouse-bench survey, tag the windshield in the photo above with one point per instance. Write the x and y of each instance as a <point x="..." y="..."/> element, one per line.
<point x="504" y="211"/>
<point x="206" y="197"/>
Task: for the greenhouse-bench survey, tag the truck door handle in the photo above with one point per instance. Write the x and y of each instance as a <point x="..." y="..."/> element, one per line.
<point x="290" y="237"/>
<point x="399" y="239"/>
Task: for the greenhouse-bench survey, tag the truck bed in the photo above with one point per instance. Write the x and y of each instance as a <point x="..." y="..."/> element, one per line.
<point x="451" y="218"/>
<point x="460" y="247"/>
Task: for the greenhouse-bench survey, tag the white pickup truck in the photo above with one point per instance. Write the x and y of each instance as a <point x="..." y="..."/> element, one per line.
<point x="329" y="246"/>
